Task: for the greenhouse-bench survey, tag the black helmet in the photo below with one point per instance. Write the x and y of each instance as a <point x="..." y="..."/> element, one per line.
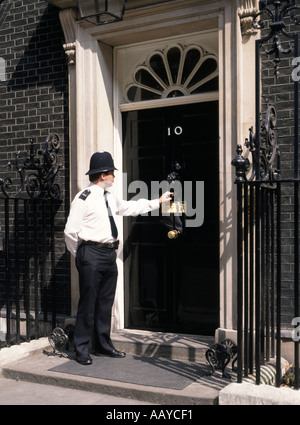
<point x="100" y="163"/>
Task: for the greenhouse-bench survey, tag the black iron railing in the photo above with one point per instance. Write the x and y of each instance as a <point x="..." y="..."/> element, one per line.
<point x="260" y="187"/>
<point x="28" y="207"/>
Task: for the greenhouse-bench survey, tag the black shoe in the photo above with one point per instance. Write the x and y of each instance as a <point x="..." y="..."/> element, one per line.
<point x="84" y="360"/>
<point x="111" y="353"/>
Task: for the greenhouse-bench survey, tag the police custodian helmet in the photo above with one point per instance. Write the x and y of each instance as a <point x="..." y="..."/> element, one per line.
<point x="101" y="162"/>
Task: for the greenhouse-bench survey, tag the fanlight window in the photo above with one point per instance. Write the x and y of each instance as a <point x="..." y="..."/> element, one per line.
<point x="174" y="72"/>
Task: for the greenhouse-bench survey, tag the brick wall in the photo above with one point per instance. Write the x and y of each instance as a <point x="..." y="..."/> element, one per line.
<point x="280" y="92"/>
<point x="34" y="103"/>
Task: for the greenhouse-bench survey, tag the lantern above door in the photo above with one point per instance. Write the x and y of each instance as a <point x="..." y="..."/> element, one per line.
<point x="101" y="12"/>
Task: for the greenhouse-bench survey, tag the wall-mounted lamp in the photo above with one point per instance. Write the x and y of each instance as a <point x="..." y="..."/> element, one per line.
<point x="101" y="11"/>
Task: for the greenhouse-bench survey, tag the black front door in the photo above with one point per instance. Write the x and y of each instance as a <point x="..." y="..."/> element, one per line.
<point x="172" y="285"/>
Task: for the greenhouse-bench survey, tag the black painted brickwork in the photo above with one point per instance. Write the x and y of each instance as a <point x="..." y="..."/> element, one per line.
<point x="34" y="102"/>
<point x="280" y="92"/>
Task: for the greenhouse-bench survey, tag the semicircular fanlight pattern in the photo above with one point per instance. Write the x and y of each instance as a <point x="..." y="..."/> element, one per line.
<point x="174" y="72"/>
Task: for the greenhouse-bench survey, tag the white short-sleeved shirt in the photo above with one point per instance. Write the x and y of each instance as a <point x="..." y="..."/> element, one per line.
<point x="88" y="218"/>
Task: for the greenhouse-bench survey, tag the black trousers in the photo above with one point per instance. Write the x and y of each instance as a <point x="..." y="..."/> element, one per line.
<point x="97" y="283"/>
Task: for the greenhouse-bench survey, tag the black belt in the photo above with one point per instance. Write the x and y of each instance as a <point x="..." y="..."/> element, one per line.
<point x="112" y="245"/>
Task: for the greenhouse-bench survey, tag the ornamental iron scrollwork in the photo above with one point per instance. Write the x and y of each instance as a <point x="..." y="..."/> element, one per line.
<point x="269" y="147"/>
<point x="36" y="174"/>
<point x="266" y="161"/>
<point x="219" y="356"/>
<point x="282" y="10"/>
<point x="59" y="340"/>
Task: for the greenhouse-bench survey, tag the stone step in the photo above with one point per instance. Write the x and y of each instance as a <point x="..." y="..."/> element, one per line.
<point x="186" y="352"/>
<point x="174" y="346"/>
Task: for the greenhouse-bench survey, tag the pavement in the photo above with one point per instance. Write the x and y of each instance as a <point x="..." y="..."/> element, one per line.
<point x="26" y="378"/>
<point x="30" y="375"/>
<point x="24" y="393"/>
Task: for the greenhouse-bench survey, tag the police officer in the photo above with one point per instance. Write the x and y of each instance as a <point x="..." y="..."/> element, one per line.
<point x="92" y="238"/>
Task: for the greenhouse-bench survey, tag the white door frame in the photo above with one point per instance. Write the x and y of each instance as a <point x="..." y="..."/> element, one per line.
<point x="95" y="120"/>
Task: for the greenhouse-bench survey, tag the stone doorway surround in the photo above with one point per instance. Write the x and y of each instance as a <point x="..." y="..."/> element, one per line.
<point x="94" y="103"/>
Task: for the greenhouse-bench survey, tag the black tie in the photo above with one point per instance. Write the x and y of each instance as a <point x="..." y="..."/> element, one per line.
<point x="114" y="230"/>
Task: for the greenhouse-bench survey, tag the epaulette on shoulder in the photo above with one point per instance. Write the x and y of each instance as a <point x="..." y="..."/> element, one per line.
<point x="85" y="194"/>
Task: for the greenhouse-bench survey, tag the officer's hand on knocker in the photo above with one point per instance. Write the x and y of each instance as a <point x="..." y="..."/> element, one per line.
<point x="165" y="197"/>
